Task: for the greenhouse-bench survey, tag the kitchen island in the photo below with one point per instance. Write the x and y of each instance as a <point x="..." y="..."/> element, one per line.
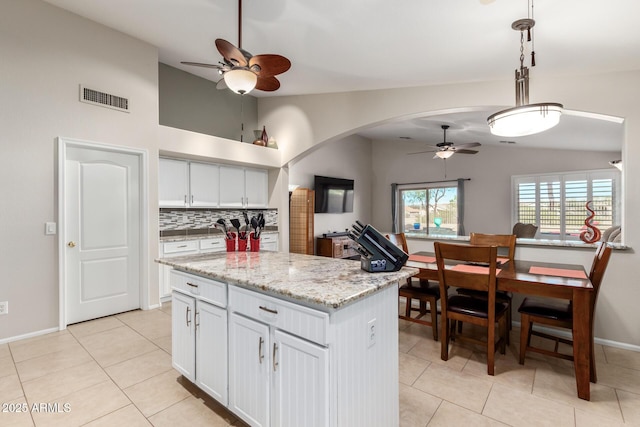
<point x="287" y="339"/>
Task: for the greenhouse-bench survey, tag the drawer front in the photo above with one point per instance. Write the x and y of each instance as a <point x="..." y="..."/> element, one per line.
<point x="213" y="245"/>
<point x="269" y="238"/>
<point x="293" y="318"/>
<point x="205" y="289"/>
<point x="180" y="247"/>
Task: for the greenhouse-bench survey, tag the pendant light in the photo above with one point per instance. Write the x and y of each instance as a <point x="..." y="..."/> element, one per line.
<point x="525" y="119"/>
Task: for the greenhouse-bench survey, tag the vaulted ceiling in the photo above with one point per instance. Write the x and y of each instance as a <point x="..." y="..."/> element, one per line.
<point x="351" y="45"/>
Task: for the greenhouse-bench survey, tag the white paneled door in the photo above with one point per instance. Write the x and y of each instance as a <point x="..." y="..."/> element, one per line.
<point x="102" y="212"/>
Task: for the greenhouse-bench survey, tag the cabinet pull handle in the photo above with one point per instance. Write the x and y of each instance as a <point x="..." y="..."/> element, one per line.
<point x="188" y="317"/>
<point x="182" y="246"/>
<point x="192" y="199"/>
<point x="185" y="200"/>
<point x="268" y="310"/>
<point x="192" y="285"/>
<point x="197" y="319"/>
<point x="260" y="355"/>
<point x="275" y="362"/>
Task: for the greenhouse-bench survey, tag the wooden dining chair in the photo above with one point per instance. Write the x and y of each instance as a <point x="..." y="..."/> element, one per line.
<point x="506" y="242"/>
<point x="458" y="307"/>
<point x="556" y="313"/>
<point x="422" y="291"/>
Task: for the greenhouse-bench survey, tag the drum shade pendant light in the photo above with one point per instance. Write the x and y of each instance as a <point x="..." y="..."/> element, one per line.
<point x="525" y="119"/>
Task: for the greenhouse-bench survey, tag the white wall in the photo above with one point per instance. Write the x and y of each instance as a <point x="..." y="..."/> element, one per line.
<point x="46" y="53"/>
<point x="488" y="193"/>
<point x="301" y="122"/>
<point x="348" y="158"/>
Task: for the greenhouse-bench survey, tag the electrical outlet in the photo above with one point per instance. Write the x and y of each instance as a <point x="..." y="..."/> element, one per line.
<point x="371" y="332"/>
<point x="4" y="307"/>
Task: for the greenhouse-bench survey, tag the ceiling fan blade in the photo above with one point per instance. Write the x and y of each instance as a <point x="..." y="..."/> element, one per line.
<point x="422" y="152"/>
<point x="465" y="151"/>
<point x="269" y="65"/>
<point x="268" y="84"/>
<point x="221" y="85"/>
<point x="199" y="64"/>
<point x="231" y="53"/>
<point x="469" y="145"/>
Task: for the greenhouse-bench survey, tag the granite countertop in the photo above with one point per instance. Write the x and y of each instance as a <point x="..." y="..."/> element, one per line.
<point x="321" y="282"/>
<point x="214" y="233"/>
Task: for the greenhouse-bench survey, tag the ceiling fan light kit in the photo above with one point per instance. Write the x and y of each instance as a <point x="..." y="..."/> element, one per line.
<point x="445" y="154"/>
<point x="240" y="81"/>
<point x="241" y="71"/>
<point x="525" y="119"/>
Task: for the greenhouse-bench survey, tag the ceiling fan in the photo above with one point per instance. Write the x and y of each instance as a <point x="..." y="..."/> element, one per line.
<point x="445" y="149"/>
<point x="241" y="71"/>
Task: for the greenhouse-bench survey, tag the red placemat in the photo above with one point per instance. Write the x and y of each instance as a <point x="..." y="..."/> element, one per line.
<point x="502" y="260"/>
<point x="422" y="258"/>
<point x="574" y="274"/>
<point x="477" y="269"/>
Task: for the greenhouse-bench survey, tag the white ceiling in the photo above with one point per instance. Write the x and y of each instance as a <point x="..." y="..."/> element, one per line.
<point x="349" y="45"/>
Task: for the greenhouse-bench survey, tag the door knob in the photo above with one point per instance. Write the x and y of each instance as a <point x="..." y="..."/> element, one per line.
<point x="71" y="244"/>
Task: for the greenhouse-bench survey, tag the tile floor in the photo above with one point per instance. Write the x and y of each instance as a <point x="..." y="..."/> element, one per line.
<point x="116" y="371"/>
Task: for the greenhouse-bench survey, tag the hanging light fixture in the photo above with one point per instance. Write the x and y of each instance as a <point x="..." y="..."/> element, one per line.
<point x="240" y="80"/>
<point x="445" y="154"/>
<point x="524" y="118"/>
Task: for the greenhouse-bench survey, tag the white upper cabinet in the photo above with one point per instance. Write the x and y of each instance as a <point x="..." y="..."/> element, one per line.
<point x="256" y="188"/>
<point x="173" y="180"/>
<point x="243" y="187"/>
<point x="205" y="184"/>
<point x="231" y="187"/>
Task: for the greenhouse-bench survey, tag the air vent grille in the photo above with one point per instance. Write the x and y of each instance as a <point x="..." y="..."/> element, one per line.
<point x="96" y="97"/>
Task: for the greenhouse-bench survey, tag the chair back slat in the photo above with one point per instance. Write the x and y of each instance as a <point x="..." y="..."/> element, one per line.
<point x="466" y="254"/>
<point x="507" y="241"/>
<point x="400" y="240"/>
<point x="599" y="265"/>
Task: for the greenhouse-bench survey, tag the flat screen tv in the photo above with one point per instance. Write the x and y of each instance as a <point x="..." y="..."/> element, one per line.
<point x="333" y="195"/>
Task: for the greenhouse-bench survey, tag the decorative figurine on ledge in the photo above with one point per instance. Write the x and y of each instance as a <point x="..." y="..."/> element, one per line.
<point x="592" y="234"/>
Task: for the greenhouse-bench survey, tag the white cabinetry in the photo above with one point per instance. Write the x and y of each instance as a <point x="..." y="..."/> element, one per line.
<point x="269" y="241"/>
<point x="173" y="183"/>
<point x="199" y="333"/>
<point x="243" y="187"/>
<point x="275" y="377"/>
<point x="172" y="249"/>
<point x="184" y="183"/>
<point x="256" y="188"/>
<point x="204" y="182"/>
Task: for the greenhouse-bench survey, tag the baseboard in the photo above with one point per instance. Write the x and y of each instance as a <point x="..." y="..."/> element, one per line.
<point x="29" y="335"/>
<point x="566" y="334"/>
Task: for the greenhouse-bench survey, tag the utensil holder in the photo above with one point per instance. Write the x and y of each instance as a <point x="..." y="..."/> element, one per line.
<point x="231" y="243"/>
<point x="254" y="246"/>
<point x="242" y="245"/>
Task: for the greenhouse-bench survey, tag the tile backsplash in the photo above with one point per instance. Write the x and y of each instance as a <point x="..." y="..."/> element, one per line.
<point x="200" y="219"/>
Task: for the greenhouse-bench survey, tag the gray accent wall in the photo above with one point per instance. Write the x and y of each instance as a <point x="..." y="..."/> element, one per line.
<point x="192" y="103"/>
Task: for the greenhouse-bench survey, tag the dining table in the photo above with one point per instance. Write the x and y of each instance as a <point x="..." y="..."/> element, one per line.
<point x="553" y="280"/>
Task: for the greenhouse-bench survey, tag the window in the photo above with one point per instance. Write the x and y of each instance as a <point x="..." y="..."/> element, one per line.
<point x="556" y="202"/>
<point x="430" y="209"/>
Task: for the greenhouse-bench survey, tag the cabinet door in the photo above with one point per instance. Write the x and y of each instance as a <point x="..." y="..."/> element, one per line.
<point x="173" y="183"/>
<point x="211" y="351"/>
<point x="204" y="185"/>
<point x="256" y="188"/>
<point x="301" y="382"/>
<point x="231" y="187"/>
<point x="183" y="340"/>
<point x="249" y="370"/>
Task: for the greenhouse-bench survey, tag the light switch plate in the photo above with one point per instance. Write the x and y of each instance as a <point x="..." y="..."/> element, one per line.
<point x="50" y="228"/>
